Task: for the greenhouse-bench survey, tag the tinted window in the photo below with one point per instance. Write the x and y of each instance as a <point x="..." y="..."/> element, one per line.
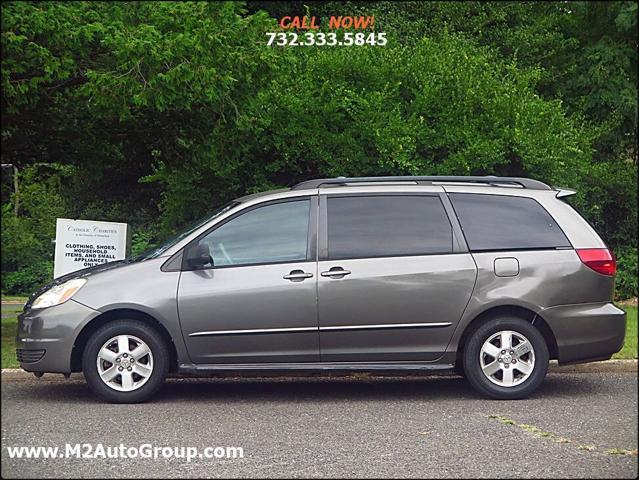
<point x="493" y="222"/>
<point x="380" y="226"/>
<point x="157" y="251"/>
<point x="270" y="234"/>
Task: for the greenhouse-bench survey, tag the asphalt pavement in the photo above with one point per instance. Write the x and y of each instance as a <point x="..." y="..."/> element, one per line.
<point x="578" y="425"/>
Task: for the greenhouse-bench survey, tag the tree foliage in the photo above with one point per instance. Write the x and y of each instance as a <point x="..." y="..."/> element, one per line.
<point x="153" y="113"/>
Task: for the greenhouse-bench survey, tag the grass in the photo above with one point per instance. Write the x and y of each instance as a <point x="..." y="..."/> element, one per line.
<point x="533" y="430"/>
<point x="588" y="448"/>
<point x="621" y="451"/>
<point x="530" y="429"/>
<point x="8" y="298"/>
<point x="629" y="349"/>
<point x="9" y="326"/>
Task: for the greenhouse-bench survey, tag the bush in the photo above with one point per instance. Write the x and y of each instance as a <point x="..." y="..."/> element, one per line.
<point x="153" y="113"/>
<point x="20" y="245"/>
<point x="626" y="285"/>
<point x="141" y="242"/>
<point x="28" y="279"/>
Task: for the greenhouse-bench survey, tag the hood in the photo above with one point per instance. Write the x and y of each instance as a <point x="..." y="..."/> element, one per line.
<point x="84" y="273"/>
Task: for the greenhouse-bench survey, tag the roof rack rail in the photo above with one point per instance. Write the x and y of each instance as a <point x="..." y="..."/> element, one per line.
<point x="489" y="179"/>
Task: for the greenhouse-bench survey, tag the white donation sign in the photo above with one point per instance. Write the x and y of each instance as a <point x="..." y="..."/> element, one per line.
<point x="83" y="243"/>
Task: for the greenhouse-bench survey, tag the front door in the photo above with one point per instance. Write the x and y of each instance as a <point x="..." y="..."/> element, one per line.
<point x="257" y="301"/>
<point x="394" y="279"/>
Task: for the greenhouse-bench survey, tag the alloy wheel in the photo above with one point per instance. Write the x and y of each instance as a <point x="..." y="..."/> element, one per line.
<point x="507" y="358"/>
<point x="125" y="363"/>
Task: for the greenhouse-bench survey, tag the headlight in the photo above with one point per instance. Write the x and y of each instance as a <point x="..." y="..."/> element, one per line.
<point x="58" y="294"/>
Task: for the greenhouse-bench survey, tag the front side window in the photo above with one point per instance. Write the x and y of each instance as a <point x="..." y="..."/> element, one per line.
<point x="274" y="233"/>
<point x="501" y="222"/>
<point x="387" y="226"/>
<point x="156" y="251"/>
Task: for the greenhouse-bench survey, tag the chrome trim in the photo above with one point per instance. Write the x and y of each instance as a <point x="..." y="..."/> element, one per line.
<point x="297" y="276"/>
<point x="253" y="330"/>
<point x="335" y="273"/>
<point x="310" y="329"/>
<point x="391" y="325"/>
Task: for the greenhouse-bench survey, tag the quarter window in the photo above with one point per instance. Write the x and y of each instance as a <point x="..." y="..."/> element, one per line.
<point x="273" y="233"/>
<point x="500" y="222"/>
<point x="387" y="225"/>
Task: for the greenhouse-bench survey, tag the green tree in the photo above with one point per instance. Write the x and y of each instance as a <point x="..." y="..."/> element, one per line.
<point x="440" y="106"/>
<point x="153" y="113"/>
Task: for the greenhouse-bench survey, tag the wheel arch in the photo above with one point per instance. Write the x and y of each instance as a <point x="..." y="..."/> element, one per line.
<point x="118" y="314"/>
<point x="514" y="311"/>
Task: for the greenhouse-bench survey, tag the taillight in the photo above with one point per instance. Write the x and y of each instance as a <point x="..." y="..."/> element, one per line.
<point x="601" y="260"/>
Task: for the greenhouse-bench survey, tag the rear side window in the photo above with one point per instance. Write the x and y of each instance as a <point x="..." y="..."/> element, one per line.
<point x="387" y="225"/>
<point x="495" y="222"/>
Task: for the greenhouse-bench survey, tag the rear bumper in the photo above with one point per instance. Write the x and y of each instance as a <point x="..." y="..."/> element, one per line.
<point x="586" y="332"/>
<point x="45" y="337"/>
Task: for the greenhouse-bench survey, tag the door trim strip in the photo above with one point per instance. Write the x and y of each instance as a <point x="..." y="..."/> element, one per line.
<point x="253" y="331"/>
<point x="390" y="325"/>
<point x="323" y="329"/>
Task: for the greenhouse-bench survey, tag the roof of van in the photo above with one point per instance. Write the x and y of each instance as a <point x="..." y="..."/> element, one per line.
<point x="488" y="180"/>
<point x="253" y="196"/>
<point x="437" y="179"/>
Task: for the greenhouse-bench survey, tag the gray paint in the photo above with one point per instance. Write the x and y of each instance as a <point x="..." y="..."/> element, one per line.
<point x="399" y="312"/>
<point x="249" y="298"/>
<point x="506" y="267"/>
<point x="399" y="290"/>
<point x="588" y="331"/>
<point x="53" y="330"/>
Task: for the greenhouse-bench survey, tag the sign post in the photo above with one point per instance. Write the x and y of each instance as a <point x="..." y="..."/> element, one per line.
<point x="84" y="243"/>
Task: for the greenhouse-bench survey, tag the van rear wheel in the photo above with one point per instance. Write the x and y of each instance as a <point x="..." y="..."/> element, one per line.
<point x="506" y="358"/>
<point x="125" y="361"/>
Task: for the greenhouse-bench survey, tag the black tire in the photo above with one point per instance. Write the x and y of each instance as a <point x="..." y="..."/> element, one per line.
<point x="144" y="332"/>
<point x="480" y="381"/>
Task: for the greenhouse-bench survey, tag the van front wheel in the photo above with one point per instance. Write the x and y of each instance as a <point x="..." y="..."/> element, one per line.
<point x="125" y="361"/>
<point x="506" y="358"/>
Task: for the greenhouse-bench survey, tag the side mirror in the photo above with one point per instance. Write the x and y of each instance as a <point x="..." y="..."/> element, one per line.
<point x="198" y="256"/>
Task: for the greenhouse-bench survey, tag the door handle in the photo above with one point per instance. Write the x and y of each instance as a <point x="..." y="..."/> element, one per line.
<point x="297" y="276"/>
<point x="335" y="272"/>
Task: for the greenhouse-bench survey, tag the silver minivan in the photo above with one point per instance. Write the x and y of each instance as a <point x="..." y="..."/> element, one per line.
<point x="488" y="276"/>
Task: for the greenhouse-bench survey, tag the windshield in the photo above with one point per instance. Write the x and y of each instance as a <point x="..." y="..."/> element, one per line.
<point x="156" y="251"/>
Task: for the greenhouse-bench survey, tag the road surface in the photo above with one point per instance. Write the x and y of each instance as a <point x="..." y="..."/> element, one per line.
<point x="577" y="425"/>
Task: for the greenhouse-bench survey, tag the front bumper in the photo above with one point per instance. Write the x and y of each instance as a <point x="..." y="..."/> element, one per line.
<point x="45" y="337"/>
<point x="586" y="332"/>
